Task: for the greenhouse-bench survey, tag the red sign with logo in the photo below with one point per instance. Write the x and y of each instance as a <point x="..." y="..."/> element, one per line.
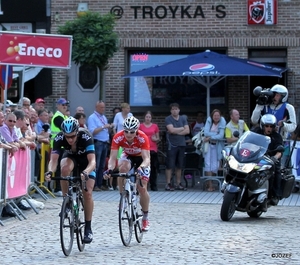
<point x="53" y="51"/>
<point x="263" y="12"/>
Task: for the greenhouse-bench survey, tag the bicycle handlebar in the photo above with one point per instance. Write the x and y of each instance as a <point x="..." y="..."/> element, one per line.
<point x="125" y="175"/>
<point x="71" y="178"/>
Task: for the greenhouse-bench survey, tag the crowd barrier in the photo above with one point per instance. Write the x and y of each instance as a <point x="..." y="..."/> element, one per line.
<point x="16" y="179"/>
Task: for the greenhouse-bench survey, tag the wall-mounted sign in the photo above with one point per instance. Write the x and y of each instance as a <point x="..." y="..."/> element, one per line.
<point x="53" y="51"/>
<point x="263" y="12"/>
<point x="20" y="27"/>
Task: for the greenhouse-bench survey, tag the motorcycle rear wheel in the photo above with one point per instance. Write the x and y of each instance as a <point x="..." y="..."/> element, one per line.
<point x="228" y="206"/>
<point x="255" y="214"/>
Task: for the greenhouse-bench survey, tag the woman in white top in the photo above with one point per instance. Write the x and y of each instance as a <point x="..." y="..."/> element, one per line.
<point x="214" y="134"/>
<point x="121" y="116"/>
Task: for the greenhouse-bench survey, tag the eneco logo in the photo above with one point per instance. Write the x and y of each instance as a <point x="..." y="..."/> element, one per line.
<point x="20" y="49"/>
<point x="203" y="67"/>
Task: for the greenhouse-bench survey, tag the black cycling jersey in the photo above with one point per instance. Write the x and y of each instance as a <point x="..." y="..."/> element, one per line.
<point x="84" y="144"/>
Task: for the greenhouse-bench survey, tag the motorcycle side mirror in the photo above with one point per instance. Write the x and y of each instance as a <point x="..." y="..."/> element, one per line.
<point x="236" y="134"/>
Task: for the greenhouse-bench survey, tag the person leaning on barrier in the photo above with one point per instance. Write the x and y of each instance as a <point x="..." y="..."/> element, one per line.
<point x="235" y="125"/>
<point x="78" y="150"/>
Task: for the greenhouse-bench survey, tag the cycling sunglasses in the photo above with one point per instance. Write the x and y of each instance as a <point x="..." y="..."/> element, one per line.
<point x="131" y="132"/>
<point x="70" y="136"/>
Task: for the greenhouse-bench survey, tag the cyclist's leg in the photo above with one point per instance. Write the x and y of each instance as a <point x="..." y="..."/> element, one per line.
<point x="124" y="165"/>
<point x="87" y="200"/>
<point x="66" y="167"/>
<point x="144" y="195"/>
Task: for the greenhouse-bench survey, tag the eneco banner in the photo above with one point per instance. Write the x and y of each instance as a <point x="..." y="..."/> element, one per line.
<point x="52" y="51"/>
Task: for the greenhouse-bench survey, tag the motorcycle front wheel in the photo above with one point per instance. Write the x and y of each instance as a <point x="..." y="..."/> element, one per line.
<point x="228" y="206"/>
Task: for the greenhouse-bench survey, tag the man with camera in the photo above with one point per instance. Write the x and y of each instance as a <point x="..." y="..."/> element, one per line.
<point x="274" y="101"/>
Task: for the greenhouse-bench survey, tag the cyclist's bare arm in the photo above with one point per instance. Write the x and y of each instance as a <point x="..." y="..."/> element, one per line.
<point x="112" y="159"/>
<point x="91" y="163"/>
<point x="53" y="162"/>
<point x="146" y="158"/>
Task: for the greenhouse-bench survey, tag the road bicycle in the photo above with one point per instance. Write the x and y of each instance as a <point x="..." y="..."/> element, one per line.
<point x="129" y="216"/>
<point x="72" y="220"/>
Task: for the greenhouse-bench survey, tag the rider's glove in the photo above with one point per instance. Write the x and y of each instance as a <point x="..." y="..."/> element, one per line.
<point x="48" y="175"/>
<point x="275" y="160"/>
<point x="86" y="176"/>
<point x="143" y="171"/>
<point x="106" y="173"/>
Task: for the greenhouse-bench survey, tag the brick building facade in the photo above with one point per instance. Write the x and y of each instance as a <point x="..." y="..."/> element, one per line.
<point x="195" y="26"/>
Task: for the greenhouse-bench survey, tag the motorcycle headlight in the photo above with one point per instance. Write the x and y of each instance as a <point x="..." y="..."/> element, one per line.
<point x="242" y="167"/>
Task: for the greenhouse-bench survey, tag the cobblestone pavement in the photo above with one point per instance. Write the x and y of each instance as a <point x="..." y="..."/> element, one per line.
<point x="180" y="233"/>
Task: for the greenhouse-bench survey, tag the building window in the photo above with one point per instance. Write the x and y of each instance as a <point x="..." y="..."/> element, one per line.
<point x="163" y="90"/>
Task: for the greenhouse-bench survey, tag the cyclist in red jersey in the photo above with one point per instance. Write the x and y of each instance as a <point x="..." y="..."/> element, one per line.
<point x="136" y="154"/>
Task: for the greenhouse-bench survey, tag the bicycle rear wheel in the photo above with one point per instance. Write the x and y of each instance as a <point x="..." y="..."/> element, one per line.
<point x="80" y="224"/>
<point x="138" y="216"/>
<point x="67" y="226"/>
<point x="125" y="221"/>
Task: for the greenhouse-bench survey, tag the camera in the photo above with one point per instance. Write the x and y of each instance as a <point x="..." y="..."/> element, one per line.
<point x="265" y="96"/>
<point x="46" y="127"/>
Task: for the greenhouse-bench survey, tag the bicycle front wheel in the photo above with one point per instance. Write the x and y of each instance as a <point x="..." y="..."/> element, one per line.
<point x="138" y="216"/>
<point x="125" y="220"/>
<point x="67" y="226"/>
<point x="80" y="223"/>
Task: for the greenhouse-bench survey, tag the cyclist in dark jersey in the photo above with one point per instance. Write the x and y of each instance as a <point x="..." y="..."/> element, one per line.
<point x="79" y="152"/>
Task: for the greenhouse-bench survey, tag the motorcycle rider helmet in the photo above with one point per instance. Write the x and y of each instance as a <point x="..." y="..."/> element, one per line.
<point x="70" y="125"/>
<point x="131" y="123"/>
<point x="268" y="119"/>
<point x="282" y="90"/>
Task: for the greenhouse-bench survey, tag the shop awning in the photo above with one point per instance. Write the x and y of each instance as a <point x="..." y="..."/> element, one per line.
<point x="29" y="73"/>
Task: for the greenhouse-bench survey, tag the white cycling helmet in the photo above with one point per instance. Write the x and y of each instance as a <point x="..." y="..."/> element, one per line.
<point x="268" y="119"/>
<point x="131" y="123"/>
<point x="282" y="90"/>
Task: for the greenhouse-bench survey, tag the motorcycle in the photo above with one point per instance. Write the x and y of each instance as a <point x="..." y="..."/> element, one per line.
<point x="247" y="171"/>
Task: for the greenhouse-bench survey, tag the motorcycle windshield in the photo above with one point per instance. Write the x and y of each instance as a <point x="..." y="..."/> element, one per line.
<point x="250" y="147"/>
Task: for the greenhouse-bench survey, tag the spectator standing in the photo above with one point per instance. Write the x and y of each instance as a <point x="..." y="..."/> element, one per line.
<point x="121" y="116"/>
<point x="177" y="127"/>
<point x="214" y="134"/>
<point x="55" y="127"/>
<point x="3" y="143"/>
<point x="79" y="109"/>
<point x="81" y="117"/>
<point x="24" y="103"/>
<point x="39" y="104"/>
<point x="99" y="127"/>
<point x="197" y="125"/>
<point x="235" y="124"/>
<point x="152" y="131"/>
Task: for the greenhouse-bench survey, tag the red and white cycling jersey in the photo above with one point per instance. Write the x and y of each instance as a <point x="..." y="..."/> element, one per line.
<point x="140" y="142"/>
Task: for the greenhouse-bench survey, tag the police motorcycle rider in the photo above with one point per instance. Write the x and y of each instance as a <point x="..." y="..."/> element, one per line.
<point x="277" y="105"/>
<point x="267" y="127"/>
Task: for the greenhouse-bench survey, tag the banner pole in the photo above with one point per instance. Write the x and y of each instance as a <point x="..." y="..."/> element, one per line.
<point x="5" y="89"/>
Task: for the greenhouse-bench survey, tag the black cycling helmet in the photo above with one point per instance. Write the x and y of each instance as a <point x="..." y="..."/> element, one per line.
<point x="70" y="125"/>
<point x="131" y="123"/>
